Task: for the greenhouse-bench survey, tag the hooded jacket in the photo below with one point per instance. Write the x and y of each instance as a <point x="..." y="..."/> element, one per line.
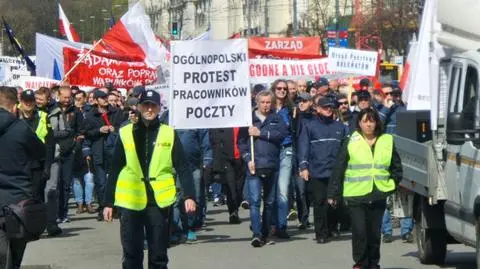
<point x="15" y="172"/>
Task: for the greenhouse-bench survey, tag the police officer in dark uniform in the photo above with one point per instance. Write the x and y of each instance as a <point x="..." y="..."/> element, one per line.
<point x="142" y="185"/>
<point x="318" y="146"/>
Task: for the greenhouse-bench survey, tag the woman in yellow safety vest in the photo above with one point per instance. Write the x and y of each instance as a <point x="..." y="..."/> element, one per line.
<point x="368" y="169"/>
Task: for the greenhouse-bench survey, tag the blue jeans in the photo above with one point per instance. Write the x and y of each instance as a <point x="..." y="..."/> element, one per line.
<point x="284" y="177"/>
<point x="217" y="190"/>
<point x="78" y="189"/>
<point x="196" y="220"/>
<point x="406" y="224"/>
<point x="261" y="226"/>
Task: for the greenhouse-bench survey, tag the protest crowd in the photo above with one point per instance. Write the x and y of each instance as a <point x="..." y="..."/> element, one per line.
<point x="225" y="130"/>
<point x="301" y="132"/>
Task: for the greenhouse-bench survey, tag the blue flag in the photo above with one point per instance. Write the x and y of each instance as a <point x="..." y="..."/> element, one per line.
<point x="112" y="21"/>
<point x="18" y="46"/>
<point x="56" y="71"/>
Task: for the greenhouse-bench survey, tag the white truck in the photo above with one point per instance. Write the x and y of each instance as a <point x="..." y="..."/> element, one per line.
<point x="440" y="148"/>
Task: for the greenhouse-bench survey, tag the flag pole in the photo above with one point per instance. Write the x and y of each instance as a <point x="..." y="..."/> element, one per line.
<point x="79" y="61"/>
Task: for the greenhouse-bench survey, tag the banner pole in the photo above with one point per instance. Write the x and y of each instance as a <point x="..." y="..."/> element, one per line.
<point x="79" y="61"/>
<point x="252" y="151"/>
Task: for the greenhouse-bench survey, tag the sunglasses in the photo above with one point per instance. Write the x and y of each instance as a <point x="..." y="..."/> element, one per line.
<point x="343" y="103"/>
<point x="387" y="93"/>
<point x="281" y="88"/>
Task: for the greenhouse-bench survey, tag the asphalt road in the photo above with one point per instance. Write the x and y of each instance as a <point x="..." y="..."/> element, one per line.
<point x="88" y="244"/>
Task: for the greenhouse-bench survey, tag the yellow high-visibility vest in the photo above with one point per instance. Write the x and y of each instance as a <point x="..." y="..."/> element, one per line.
<point x="42" y="130"/>
<point x="366" y="169"/>
<point x="130" y="192"/>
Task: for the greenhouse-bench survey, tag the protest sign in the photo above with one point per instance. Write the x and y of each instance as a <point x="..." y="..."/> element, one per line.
<point x="355" y="62"/>
<point x="284" y="47"/>
<point x="11" y="68"/>
<point x="268" y="70"/>
<point x="210" y="84"/>
<point x="34" y="83"/>
<point x="97" y="69"/>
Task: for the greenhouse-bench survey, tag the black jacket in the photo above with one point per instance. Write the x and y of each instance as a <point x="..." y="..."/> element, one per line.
<point x="335" y="188"/>
<point x="93" y="123"/>
<point x="144" y="138"/>
<point x="223" y="146"/>
<point x="20" y="146"/>
<point x="33" y="124"/>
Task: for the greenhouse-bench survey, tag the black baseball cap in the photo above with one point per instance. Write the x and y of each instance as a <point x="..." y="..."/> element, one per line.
<point x="100" y="94"/>
<point x="304" y="96"/>
<point x="27" y="95"/>
<point x="363" y="95"/>
<point x="365" y="82"/>
<point x="326" y="101"/>
<point x="150" y="96"/>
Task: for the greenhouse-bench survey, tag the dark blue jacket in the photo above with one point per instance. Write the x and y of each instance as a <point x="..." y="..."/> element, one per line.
<point x="197" y="148"/>
<point x="318" y="146"/>
<point x="389" y="117"/>
<point x="266" y="147"/>
<point x="196" y="145"/>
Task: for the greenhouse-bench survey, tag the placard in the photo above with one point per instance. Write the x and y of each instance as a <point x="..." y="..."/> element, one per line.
<point x="210" y="84"/>
<point x="355" y="62"/>
<point x="268" y="70"/>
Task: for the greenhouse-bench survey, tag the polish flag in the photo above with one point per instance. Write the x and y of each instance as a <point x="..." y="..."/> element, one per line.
<point x="133" y="35"/>
<point x="66" y="29"/>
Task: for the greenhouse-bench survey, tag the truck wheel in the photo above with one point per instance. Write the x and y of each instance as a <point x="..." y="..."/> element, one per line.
<point x="431" y="243"/>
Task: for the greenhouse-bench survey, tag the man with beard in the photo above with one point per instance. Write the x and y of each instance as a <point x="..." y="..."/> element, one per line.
<point x="101" y="125"/>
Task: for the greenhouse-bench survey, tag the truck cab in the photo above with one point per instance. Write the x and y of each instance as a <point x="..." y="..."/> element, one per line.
<point x="442" y="161"/>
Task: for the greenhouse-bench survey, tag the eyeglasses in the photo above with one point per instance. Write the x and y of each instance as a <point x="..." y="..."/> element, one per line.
<point x="281" y="88"/>
<point x="343" y="103"/>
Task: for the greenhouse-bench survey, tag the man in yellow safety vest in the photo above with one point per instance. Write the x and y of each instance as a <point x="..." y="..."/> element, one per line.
<point x="37" y="120"/>
<point x="142" y="185"/>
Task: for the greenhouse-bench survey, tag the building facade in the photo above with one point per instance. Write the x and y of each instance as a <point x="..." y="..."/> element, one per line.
<point x="227" y="17"/>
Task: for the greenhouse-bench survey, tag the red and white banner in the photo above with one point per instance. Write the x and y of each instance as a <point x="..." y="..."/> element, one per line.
<point x="96" y="69"/>
<point x="133" y="35"/>
<point x="268" y="70"/>
<point x="285" y="48"/>
<point x="66" y="29"/>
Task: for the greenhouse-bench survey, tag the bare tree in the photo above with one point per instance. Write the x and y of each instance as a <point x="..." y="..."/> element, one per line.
<point x="318" y="17"/>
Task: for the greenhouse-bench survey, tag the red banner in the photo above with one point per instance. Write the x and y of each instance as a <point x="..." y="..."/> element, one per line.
<point x="285" y="48"/>
<point x="97" y="69"/>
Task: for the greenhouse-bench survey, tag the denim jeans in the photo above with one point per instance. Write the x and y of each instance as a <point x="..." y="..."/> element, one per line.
<point x="100" y="182"/>
<point x="82" y="196"/>
<point x="406" y="224"/>
<point x="196" y="220"/>
<point x="217" y="190"/>
<point x="261" y="226"/>
<point x="281" y="197"/>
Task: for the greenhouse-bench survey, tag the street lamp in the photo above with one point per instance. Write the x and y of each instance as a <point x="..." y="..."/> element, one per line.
<point x="93" y="27"/>
<point x="82" y="28"/>
<point x="105" y="22"/>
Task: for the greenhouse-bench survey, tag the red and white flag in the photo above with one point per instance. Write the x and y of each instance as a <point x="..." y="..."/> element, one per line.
<point x="66" y="29"/>
<point x="133" y="35"/>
